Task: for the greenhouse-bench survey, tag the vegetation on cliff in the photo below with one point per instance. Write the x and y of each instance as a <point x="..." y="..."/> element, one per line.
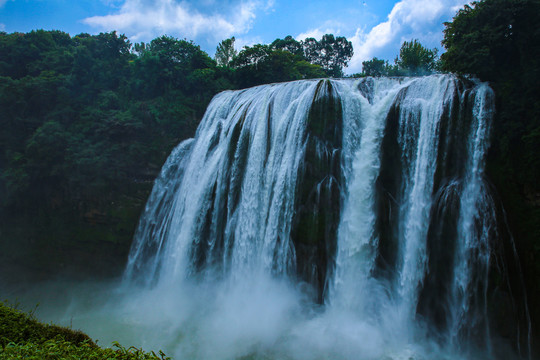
<point x="499" y="41"/>
<point x="23" y="337"/>
<point x="413" y="60"/>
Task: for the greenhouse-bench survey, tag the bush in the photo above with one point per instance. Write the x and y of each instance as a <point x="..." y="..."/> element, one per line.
<point x="23" y="337"/>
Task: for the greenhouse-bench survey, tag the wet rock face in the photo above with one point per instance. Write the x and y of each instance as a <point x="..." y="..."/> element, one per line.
<point x="317" y="208"/>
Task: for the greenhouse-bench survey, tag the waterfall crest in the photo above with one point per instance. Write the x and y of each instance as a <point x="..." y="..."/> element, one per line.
<point x="370" y="193"/>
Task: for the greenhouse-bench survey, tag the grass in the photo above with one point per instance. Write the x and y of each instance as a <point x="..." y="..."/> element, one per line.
<point x="24" y="337"/>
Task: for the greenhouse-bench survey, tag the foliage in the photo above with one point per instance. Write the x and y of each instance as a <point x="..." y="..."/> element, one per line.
<point x="493" y="38"/>
<point x="377" y="67"/>
<point x="332" y="53"/>
<point x="415" y="59"/>
<point x="289" y="44"/>
<point x="225" y="52"/>
<point x="374" y="67"/>
<point x="86" y="123"/>
<point x="260" y="64"/>
<point x="23" y="337"/>
<point x="252" y="55"/>
<point x="289" y="59"/>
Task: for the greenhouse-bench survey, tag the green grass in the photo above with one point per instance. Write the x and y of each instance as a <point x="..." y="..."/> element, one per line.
<point x="24" y="337"/>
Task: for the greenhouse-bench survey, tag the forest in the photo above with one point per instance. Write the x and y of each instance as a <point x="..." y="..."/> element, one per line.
<point x="88" y="120"/>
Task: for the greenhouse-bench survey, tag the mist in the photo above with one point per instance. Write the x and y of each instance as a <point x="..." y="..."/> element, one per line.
<point x="257" y="317"/>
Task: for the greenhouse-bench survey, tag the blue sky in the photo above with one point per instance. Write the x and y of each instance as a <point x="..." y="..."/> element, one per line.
<point x="377" y="28"/>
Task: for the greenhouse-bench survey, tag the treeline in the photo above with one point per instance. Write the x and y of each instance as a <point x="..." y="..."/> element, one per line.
<point x="87" y="121"/>
<point x="286" y="59"/>
<point x="84" y="116"/>
<point x="413" y="60"/>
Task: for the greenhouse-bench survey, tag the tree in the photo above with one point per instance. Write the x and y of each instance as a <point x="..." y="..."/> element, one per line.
<point x="86" y="123"/>
<point x="225" y="52"/>
<point x="100" y="62"/>
<point x="377" y="67"/>
<point x="332" y="53"/>
<point x="493" y="38"/>
<point x="289" y="44"/>
<point x="415" y="59"/>
<point x="165" y="64"/>
<point x="251" y="55"/>
<point x="261" y="64"/>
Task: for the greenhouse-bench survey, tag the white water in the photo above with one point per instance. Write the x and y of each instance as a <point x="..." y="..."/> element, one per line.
<point x="211" y="274"/>
<point x="357" y="243"/>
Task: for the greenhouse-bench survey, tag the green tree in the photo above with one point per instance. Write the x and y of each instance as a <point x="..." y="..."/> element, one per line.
<point x="332" y="53"/>
<point x="100" y="62"/>
<point x="289" y="44"/>
<point x="252" y="55"/>
<point x="164" y="65"/>
<point x="415" y="59"/>
<point x="260" y="64"/>
<point x="493" y="38"/>
<point x="86" y="123"/>
<point x="225" y="52"/>
<point x="377" y="67"/>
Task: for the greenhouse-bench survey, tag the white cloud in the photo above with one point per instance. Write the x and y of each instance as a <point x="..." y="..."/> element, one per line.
<point x="269" y="6"/>
<point x="314" y="33"/>
<point x="240" y="42"/>
<point x="144" y="20"/>
<point x="328" y="27"/>
<point x="409" y="19"/>
<point x="2" y="27"/>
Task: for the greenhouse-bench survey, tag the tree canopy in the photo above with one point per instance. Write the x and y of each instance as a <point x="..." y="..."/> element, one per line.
<point x="377" y="67"/>
<point x="86" y="123"/>
<point x="297" y="59"/>
<point x="415" y="59"/>
<point x="225" y="52"/>
<point x="332" y="53"/>
<point x="493" y="38"/>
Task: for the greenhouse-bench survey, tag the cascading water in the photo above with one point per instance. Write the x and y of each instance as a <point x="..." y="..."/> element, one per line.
<point x="367" y="196"/>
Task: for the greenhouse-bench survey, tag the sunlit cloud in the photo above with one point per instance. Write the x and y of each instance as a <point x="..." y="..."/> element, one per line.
<point x="409" y="19"/>
<point x="315" y="33"/>
<point x="207" y="22"/>
<point x="241" y="42"/>
<point x="144" y="20"/>
<point x="328" y="27"/>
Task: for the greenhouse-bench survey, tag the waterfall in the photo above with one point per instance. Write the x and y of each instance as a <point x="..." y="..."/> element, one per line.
<point x="367" y="194"/>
